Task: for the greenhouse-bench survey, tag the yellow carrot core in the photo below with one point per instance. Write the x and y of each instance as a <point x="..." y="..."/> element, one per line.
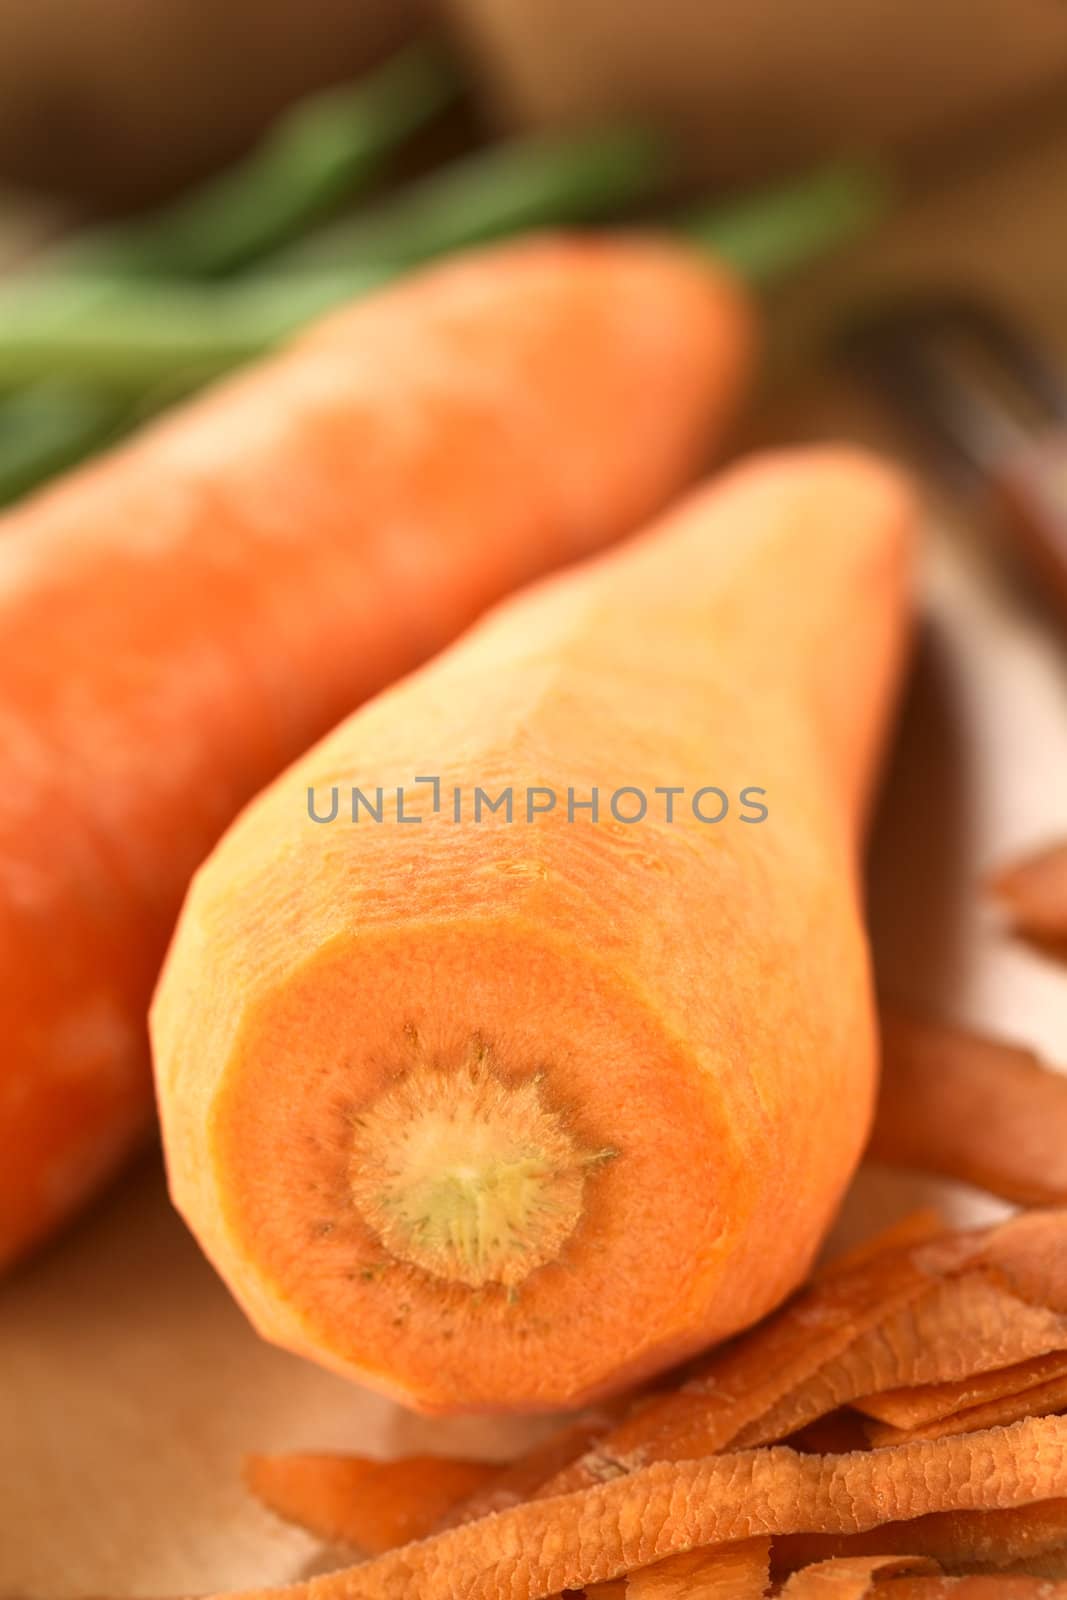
<point x="469" y="1176"/>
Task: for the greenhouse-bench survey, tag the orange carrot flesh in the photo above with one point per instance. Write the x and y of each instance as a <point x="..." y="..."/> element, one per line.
<point x="598" y="1534"/>
<point x="1034" y="892"/>
<point x="347" y="1012"/>
<point x="217" y="593"/>
<point x="376" y="1505"/>
<point x="973" y="1109"/>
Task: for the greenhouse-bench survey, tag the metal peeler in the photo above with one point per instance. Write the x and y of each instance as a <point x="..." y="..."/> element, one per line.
<point x="991" y="404"/>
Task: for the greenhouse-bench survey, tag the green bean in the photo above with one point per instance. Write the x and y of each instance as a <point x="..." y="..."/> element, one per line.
<point x="777" y="231"/>
<point x="326" y="148"/>
<point x="320" y="152"/>
<point x="149" y="333"/>
<point x="49" y="427"/>
<point x="525" y="183"/>
<point x="137" y="331"/>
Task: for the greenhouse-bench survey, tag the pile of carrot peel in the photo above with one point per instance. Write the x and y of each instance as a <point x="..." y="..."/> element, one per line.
<point x="894" y="1430"/>
<point x="897" y="1430"/>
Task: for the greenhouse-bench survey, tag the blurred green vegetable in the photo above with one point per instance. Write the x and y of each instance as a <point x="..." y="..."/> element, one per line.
<point x="147" y="333"/>
<point x="162" y="304"/>
<point x="49" y="427"/>
<point x="121" y="334"/>
<point x="323" y="151"/>
<point x="316" y="155"/>
<point x="545" y="180"/>
<point x="774" y="232"/>
<point x="154" y="333"/>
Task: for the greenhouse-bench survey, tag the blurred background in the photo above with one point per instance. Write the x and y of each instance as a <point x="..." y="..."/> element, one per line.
<point x="114" y="102"/>
<point x="181" y="142"/>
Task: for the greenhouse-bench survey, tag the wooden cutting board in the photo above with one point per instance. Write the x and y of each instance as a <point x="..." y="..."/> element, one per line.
<point x="129" y="1383"/>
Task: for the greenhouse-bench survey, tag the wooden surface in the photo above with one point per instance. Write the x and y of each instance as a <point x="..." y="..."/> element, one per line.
<point x="757" y="86"/>
<point x="118" y="101"/>
<point x="129" y="1384"/>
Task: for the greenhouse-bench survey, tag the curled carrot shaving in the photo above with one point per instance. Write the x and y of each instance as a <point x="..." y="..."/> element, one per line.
<point x="545" y="1546"/>
<point x="732" y="1379"/>
<point x="519" y="1480"/>
<point x="916" y="1406"/>
<point x="916" y="1227"/>
<point x="740" y="1382"/>
<point x="999" y="1588"/>
<point x="954" y="1539"/>
<point x="853" y="1577"/>
<point x="725" y="1572"/>
<point x="961" y="1327"/>
<point x="970" y="1108"/>
<point x="353" y="1500"/>
<point x="964" y="1335"/>
<point x="1034" y="893"/>
<point x="1041" y="1399"/>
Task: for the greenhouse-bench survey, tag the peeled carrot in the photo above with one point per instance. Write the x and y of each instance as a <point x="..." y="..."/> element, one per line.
<point x="504" y="1114"/>
<point x="971" y="1108"/>
<point x="182" y="619"/>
